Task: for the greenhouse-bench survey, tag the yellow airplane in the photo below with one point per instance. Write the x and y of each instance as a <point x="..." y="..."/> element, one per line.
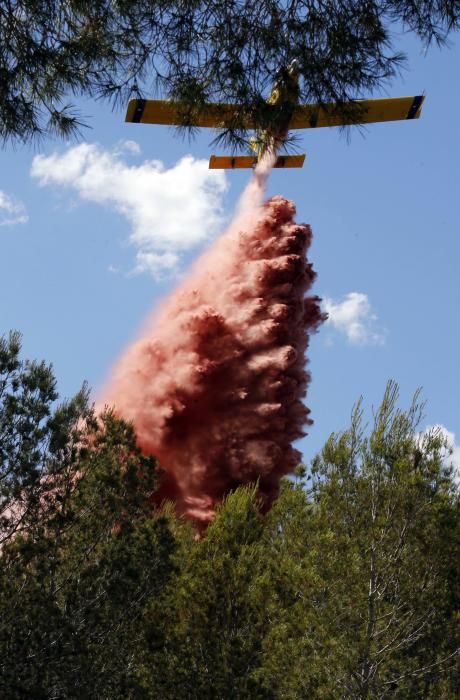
<point x="284" y="113"/>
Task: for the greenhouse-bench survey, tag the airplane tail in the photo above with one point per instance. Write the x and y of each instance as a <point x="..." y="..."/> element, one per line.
<point x="232" y="162"/>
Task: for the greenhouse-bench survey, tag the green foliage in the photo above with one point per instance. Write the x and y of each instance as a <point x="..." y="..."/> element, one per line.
<point x="73" y="596"/>
<point x="197" y="50"/>
<point x="206" y="635"/>
<point x="79" y="570"/>
<point x="371" y="607"/>
<point x="348" y="588"/>
<point x="38" y="441"/>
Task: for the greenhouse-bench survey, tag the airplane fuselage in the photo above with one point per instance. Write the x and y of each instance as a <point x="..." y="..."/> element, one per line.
<point x="284" y="96"/>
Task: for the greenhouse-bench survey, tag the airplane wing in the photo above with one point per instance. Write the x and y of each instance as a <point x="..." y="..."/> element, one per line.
<point x="381" y="110"/>
<point x="215" y="115"/>
<point x="221" y="115"/>
<point x="232" y="162"/>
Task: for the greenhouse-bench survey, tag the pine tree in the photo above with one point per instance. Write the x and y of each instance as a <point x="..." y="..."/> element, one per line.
<point x="348" y="588"/>
<point x="197" y="50"/>
<point x="83" y="551"/>
<point x="214" y="617"/>
<point x="371" y="599"/>
<point x="38" y="441"/>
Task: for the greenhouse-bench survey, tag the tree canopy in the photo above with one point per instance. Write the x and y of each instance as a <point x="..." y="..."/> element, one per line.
<point x="196" y="51"/>
<point x="348" y="588"/>
<point x="81" y="552"/>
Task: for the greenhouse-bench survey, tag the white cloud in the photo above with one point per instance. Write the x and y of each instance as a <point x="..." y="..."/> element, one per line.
<point x="450" y="459"/>
<point x="156" y="263"/>
<point x="354" y="317"/>
<point x="127" y="146"/>
<point x="12" y="211"/>
<point x="169" y="210"/>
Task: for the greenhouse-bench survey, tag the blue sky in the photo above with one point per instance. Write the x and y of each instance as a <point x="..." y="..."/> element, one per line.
<point x="92" y="236"/>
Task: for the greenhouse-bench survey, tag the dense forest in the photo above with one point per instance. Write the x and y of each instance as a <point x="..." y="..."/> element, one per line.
<point x="347" y="588"/>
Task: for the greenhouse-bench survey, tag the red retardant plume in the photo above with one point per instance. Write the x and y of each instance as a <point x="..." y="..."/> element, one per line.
<point x="214" y="386"/>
